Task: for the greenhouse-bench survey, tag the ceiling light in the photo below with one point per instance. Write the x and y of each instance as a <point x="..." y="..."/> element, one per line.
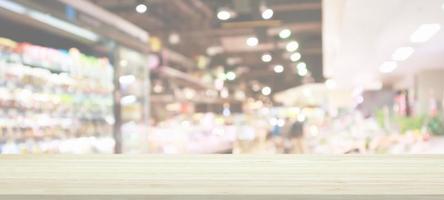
<point x="230" y="76"/>
<point x="292" y="46"/>
<point x="424" y="33"/>
<point x="267" y="13"/>
<point x="224" y="14"/>
<point x="266" y="58"/>
<point x="295" y="57"/>
<point x="388" y="67"/>
<point x="266" y="91"/>
<point x="301" y="65"/>
<point x="252" y="41"/>
<point x="174" y="38"/>
<point x="278" y="69"/>
<point x="141" y="8"/>
<point x="330" y="83"/>
<point x="303" y="72"/>
<point x="302" y="69"/>
<point x="402" y="53"/>
<point x="284" y="33"/>
<point x="12" y="6"/>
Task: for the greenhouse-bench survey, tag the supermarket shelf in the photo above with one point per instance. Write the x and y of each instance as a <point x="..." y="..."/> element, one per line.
<point x="183" y="77"/>
<point x="225" y="176"/>
<point x="180" y="59"/>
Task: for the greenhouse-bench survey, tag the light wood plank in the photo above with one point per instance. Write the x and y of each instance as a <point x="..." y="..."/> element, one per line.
<point x="226" y="176"/>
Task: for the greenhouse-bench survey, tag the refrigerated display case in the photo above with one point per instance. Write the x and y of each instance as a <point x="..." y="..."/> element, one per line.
<point x="134" y="91"/>
<point x="54" y="100"/>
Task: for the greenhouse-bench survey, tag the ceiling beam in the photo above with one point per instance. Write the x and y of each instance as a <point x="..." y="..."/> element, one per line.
<point x="296" y="7"/>
<point x="298" y="28"/>
<point x="204" y="8"/>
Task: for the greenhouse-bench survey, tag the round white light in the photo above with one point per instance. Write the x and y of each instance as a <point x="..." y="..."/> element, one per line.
<point x="292" y="46"/>
<point x="224" y="15"/>
<point x="266" y="91"/>
<point x="141" y="8"/>
<point x="230" y="76"/>
<point x="252" y="41"/>
<point x="266" y="58"/>
<point x="302" y="69"/>
<point x="295" y="57"/>
<point x="278" y="69"/>
<point x="267" y="14"/>
<point x="284" y="33"/>
<point x="301" y="65"/>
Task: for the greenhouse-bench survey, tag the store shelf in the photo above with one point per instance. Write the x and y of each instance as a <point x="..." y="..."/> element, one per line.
<point x="185" y="78"/>
<point x="228" y="177"/>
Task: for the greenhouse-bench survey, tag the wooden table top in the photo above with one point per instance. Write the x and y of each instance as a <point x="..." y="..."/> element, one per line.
<point x="223" y="176"/>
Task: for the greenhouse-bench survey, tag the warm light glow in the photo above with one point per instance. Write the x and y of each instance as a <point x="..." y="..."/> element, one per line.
<point x="127" y="79"/>
<point x="252" y="41"/>
<point x="292" y="46"/>
<point x="267" y="14"/>
<point x="388" y="67"/>
<point x="174" y="38"/>
<point x="284" y="33"/>
<point x="330" y="83"/>
<point x="266" y="58"/>
<point x="158" y="88"/>
<point x="266" y="91"/>
<point x="189" y="93"/>
<point x="424" y="33"/>
<point x="141" y="8"/>
<point x="224" y="93"/>
<point x="278" y="68"/>
<point x="123" y="63"/>
<point x="402" y="53"/>
<point x="295" y="57"/>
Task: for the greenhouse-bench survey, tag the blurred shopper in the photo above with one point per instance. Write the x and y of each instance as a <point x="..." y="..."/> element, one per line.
<point x="294" y="135"/>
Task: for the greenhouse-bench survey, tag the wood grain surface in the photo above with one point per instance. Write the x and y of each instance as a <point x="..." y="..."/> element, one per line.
<point x="222" y="176"/>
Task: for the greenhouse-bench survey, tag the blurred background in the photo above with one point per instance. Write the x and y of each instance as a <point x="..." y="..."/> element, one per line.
<point x="221" y="76"/>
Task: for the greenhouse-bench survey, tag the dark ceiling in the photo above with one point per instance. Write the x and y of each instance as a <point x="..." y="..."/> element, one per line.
<point x="196" y="23"/>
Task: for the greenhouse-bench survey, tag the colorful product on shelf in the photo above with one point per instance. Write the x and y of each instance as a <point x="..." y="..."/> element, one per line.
<point x="49" y="97"/>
